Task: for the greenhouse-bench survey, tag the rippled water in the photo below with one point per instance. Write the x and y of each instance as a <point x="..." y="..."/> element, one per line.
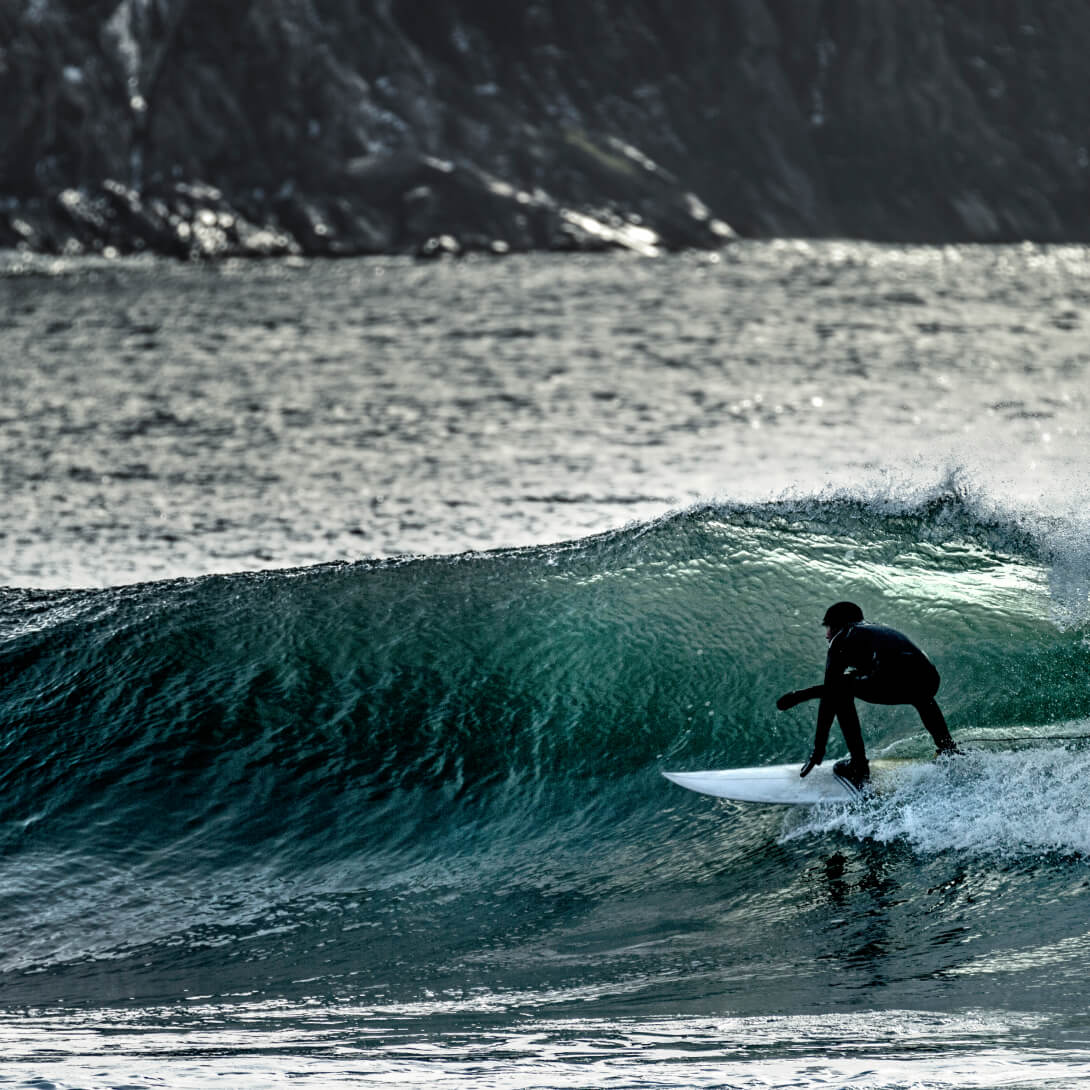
<point x="162" y="419"/>
<point x="403" y="823"/>
<point x="314" y="1047"/>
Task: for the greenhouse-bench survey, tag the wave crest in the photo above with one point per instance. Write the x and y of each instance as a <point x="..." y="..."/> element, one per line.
<point x="278" y="706"/>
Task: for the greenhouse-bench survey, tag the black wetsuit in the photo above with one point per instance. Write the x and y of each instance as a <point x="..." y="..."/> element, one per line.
<point x="881" y="666"/>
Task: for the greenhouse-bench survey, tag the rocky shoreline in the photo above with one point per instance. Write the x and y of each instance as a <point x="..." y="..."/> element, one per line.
<point x="409" y="203"/>
<point x="200" y="130"/>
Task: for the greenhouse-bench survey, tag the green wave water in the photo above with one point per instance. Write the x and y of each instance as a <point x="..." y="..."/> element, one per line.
<point x="392" y="767"/>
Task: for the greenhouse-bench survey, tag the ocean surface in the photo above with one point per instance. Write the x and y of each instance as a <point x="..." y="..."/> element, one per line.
<point x="350" y="611"/>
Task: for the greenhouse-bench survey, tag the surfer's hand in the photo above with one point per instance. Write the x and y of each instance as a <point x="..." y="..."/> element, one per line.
<point x="788" y="700"/>
<point x="811" y="762"/>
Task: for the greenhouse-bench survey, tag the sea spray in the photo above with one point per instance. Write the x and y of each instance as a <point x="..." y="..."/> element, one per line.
<point x="1008" y="805"/>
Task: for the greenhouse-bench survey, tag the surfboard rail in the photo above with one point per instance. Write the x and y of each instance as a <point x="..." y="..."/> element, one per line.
<point x="782" y="785"/>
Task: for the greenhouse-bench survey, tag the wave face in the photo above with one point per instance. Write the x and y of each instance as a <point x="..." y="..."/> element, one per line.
<point x="223" y="759"/>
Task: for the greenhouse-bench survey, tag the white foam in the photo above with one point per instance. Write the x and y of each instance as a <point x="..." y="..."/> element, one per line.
<point x="1011" y="804"/>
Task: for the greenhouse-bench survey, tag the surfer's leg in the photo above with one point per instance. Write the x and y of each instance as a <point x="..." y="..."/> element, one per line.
<point x="916" y="688"/>
<point x="855" y="770"/>
<point x="935" y="724"/>
<point x="925" y="686"/>
<point x="848" y="718"/>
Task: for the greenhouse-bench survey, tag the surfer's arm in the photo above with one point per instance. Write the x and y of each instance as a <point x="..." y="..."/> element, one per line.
<point x="825" y="716"/>
<point x="821" y="736"/>
<point x="798" y="696"/>
<point x="835" y="664"/>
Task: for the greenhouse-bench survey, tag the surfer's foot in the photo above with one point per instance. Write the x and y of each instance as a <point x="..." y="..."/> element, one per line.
<point x="949" y="749"/>
<point x="857" y="773"/>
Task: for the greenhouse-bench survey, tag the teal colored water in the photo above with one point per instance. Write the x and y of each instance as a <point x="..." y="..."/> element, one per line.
<point x="400" y="819"/>
<point x="430" y="785"/>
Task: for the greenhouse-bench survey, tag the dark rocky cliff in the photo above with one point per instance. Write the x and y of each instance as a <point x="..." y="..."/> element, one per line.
<point x="201" y="127"/>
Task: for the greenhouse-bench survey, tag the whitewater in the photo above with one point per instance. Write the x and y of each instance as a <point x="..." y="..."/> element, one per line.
<point x="350" y="612"/>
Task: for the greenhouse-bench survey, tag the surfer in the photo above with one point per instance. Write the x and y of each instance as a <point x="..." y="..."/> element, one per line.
<point x="879" y="665"/>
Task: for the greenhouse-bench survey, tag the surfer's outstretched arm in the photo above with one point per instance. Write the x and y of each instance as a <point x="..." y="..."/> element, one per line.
<point x="798" y="696"/>
<point x="825" y="719"/>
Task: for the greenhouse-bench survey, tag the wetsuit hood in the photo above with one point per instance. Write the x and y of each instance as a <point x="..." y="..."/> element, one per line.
<point x="841" y="614"/>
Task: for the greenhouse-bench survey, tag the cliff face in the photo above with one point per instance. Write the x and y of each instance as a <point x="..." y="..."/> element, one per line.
<point x="343" y="126"/>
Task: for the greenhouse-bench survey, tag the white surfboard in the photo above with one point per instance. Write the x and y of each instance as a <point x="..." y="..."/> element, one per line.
<point x="782" y="783"/>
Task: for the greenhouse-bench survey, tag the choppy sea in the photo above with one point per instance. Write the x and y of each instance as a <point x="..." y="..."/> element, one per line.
<point x="351" y="610"/>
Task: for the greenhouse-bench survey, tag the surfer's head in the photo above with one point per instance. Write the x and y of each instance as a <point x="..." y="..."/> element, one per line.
<point x="840" y="615"/>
